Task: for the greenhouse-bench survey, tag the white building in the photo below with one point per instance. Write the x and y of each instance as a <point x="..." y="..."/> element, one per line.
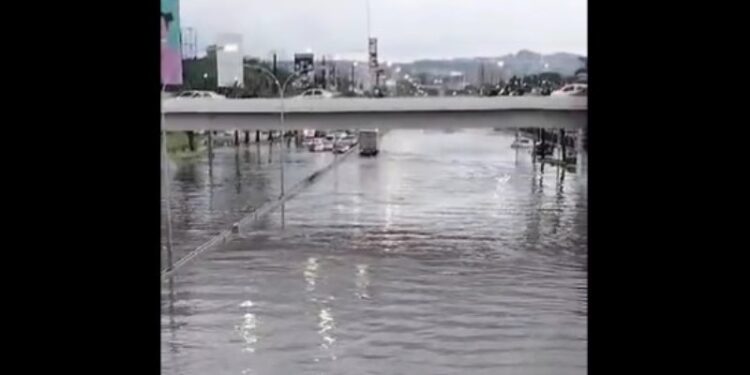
<point x="229" y="60"/>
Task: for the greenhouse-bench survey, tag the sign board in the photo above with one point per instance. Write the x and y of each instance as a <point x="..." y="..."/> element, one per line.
<point x="229" y="69"/>
<point x="304" y="62"/>
<point x="373" y="52"/>
<point x="171" y="55"/>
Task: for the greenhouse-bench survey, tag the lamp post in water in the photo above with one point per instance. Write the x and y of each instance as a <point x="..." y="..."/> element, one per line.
<point x="281" y="88"/>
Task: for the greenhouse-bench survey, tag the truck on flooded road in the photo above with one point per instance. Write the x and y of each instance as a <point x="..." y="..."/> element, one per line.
<point x="368" y="142"/>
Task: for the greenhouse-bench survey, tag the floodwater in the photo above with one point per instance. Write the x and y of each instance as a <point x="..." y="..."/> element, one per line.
<point x="448" y="253"/>
<point x="207" y="194"/>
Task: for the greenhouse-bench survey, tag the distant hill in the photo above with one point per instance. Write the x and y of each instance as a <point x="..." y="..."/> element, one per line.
<point x="524" y="62"/>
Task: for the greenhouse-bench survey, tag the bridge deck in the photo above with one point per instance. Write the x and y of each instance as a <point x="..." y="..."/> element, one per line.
<point x="443" y="112"/>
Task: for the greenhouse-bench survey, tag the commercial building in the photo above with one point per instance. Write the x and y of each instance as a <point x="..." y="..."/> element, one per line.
<point x="229" y="69"/>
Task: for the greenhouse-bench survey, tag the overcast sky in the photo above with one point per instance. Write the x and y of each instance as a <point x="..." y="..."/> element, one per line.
<point x="406" y="29"/>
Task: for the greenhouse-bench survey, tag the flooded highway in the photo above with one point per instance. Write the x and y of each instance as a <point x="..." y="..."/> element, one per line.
<point x="209" y="194"/>
<point x="448" y="253"/>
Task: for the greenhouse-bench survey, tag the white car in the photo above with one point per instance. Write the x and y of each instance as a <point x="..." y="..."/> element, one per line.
<point x="575" y="89"/>
<point x="195" y="94"/>
<point x="318" y="144"/>
<point x="337" y="135"/>
<point x="343" y="145"/>
<point x="316" y="94"/>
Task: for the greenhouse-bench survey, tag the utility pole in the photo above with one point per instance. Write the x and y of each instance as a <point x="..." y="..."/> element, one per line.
<point x="333" y="73"/>
<point x="195" y="41"/>
<point x="369" y="37"/>
<point x="323" y="73"/>
<point x="274" y="63"/>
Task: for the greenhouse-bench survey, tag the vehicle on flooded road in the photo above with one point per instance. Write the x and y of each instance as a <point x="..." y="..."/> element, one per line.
<point x="317" y="145"/>
<point x="343" y="145"/>
<point x="368" y="142"/>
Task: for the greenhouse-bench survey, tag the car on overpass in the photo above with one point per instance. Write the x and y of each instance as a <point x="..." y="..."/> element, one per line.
<point x="574" y="89"/>
<point x="316" y="94"/>
<point x="197" y="94"/>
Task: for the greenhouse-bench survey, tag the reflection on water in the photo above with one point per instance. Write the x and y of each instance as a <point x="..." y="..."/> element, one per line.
<point x="247" y="331"/>
<point x="362" y="281"/>
<point x="446" y="254"/>
<point x="247" y="327"/>
<point x="326" y="325"/>
<point x="311" y="272"/>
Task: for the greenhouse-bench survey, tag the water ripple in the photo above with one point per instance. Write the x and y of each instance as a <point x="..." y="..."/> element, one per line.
<point x="433" y="258"/>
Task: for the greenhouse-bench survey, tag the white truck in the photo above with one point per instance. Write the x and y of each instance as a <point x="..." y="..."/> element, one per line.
<point x="368" y="142"/>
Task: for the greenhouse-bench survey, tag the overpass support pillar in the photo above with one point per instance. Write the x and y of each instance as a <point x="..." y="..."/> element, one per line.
<point x="580" y="140"/>
<point x="580" y="149"/>
<point x="210" y="144"/>
<point x="191" y="140"/>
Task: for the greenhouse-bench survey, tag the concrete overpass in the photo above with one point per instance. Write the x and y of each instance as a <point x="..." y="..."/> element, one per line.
<point x="384" y="113"/>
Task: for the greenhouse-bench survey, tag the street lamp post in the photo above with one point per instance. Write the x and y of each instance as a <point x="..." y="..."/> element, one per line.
<point x="281" y="88"/>
<point x="352" y="82"/>
<point x="167" y="189"/>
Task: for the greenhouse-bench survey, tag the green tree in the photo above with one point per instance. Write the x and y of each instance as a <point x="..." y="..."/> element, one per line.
<point x="199" y="74"/>
<point x="553" y="77"/>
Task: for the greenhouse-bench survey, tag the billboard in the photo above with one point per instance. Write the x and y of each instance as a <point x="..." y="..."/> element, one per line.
<point x="305" y="66"/>
<point x="171" y="56"/>
<point x="303" y="62"/>
<point x="229" y="69"/>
